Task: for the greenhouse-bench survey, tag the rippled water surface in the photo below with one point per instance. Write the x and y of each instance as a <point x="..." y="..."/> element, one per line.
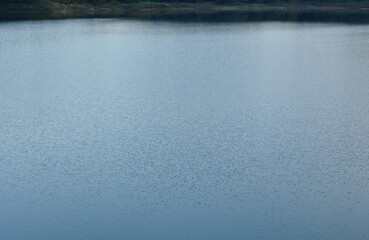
<point x="121" y="129"/>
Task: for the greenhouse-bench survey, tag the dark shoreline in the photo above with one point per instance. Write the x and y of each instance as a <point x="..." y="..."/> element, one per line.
<point x="309" y="12"/>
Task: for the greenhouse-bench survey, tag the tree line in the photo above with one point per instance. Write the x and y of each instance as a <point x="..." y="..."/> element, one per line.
<point x="192" y="1"/>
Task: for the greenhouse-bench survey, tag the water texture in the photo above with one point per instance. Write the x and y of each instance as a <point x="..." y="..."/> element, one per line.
<point x="122" y="129"/>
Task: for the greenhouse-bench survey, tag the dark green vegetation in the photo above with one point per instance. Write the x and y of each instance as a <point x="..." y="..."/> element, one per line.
<point x="192" y="1"/>
<point x="76" y="2"/>
<point x="199" y="10"/>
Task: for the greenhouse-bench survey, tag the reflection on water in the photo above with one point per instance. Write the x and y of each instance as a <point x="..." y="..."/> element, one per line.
<point x="269" y="16"/>
<point x="121" y="129"/>
<point x="222" y="16"/>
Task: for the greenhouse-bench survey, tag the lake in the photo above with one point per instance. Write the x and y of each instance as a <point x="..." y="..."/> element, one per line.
<point x="131" y="129"/>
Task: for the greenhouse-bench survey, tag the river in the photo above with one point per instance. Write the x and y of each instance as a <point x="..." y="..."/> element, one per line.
<point x="170" y="130"/>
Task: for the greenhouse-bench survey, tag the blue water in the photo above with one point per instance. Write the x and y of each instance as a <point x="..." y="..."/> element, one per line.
<point x="121" y="129"/>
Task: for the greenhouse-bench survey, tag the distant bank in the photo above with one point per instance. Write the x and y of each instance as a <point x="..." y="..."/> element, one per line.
<point x="204" y="11"/>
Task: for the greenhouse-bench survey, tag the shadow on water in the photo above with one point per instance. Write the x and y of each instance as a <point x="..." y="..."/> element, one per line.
<point x="221" y="16"/>
<point x="266" y="16"/>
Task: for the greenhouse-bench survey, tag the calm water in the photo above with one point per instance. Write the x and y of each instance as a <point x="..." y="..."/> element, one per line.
<point x="122" y="129"/>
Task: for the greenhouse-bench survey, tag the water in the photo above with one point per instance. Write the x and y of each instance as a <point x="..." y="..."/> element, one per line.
<point x="123" y="129"/>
